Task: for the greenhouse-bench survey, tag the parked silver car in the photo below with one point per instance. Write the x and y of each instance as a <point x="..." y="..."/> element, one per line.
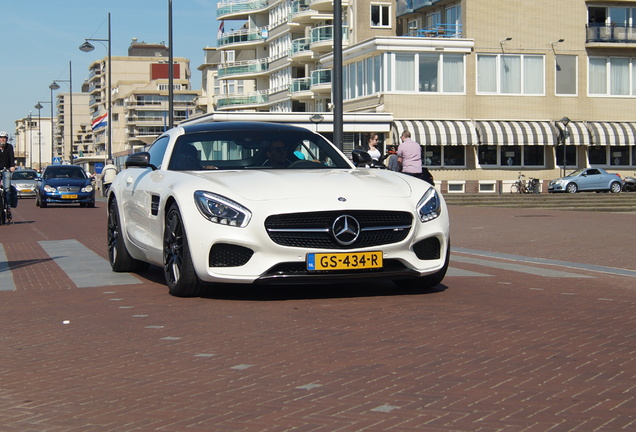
<point x="587" y="179"/>
<point x="24" y="181"/>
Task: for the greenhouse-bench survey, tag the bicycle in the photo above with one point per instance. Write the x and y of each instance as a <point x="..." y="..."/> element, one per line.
<point x="5" y="213"/>
<point x="522" y="186"/>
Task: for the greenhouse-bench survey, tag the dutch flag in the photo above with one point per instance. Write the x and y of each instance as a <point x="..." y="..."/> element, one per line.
<point x="100" y="122"/>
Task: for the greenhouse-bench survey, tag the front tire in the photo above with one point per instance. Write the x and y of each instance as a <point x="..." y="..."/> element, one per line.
<point x="178" y="269"/>
<point x="118" y="256"/>
<point x="514" y="188"/>
<point x="571" y="188"/>
<point x="428" y="282"/>
<point x="615" y="187"/>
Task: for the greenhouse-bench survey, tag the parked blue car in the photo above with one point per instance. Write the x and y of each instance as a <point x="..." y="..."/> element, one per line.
<point x="65" y="184"/>
<point x="587" y="179"/>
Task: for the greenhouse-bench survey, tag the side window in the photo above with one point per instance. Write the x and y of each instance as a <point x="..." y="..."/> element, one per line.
<point x="157" y="150"/>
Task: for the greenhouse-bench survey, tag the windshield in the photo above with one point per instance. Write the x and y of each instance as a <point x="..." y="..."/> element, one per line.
<point x="23" y="175"/>
<point x="254" y="149"/>
<point x="576" y="173"/>
<point x="64" y="172"/>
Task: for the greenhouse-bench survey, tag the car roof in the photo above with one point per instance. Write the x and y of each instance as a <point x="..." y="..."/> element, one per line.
<point x="238" y="125"/>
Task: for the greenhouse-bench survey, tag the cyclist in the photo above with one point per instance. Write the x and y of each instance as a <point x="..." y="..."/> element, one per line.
<point x="7" y="165"/>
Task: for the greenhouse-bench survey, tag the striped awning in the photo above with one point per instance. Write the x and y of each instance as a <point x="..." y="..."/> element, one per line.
<point x="615" y="134"/>
<point x="517" y="133"/>
<point x="579" y="133"/>
<point x="437" y="132"/>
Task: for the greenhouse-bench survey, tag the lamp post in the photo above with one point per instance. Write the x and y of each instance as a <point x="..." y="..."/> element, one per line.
<point x="170" y="69"/>
<point x="566" y="133"/>
<point x="88" y="47"/>
<point x="30" y="120"/>
<point x="55" y="86"/>
<point x="39" y="107"/>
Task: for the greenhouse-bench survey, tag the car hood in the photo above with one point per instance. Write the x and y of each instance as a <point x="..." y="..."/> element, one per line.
<point x="261" y="185"/>
<point x="55" y="182"/>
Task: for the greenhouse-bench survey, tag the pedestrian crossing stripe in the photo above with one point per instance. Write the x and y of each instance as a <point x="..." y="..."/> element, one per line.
<point x="6" y="278"/>
<point x="83" y="266"/>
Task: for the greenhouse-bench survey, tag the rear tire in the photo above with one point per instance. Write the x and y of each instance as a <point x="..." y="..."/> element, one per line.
<point x="118" y="256"/>
<point x="514" y="188"/>
<point x="615" y="187"/>
<point x="178" y="269"/>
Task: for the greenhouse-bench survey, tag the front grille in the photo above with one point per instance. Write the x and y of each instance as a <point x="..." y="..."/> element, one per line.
<point x="314" y="230"/>
<point x="68" y="189"/>
<point x="229" y="255"/>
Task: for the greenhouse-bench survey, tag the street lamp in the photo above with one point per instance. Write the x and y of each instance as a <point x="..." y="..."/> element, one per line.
<point x="88" y="47"/>
<point x="566" y="133"/>
<point x="170" y="69"/>
<point x="55" y="86"/>
<point x="39" y="107"/>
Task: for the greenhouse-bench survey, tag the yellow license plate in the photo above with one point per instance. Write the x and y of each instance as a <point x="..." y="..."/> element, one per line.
<point x="69" y="196"/>
<point x="26" y="190"/>
<point x="344" y="261"/>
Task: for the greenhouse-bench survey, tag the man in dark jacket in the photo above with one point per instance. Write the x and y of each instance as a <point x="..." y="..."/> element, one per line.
<point x="7" y="160"/>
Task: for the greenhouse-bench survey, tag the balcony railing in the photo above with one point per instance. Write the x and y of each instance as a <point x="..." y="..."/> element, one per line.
<point x="226" y="7"/>
<point x="300" y="84"/>
<point x="321" y="77"/>
<point x="243" y="35"/>
<point x="244" y="67"/>
<point x="298" y="6"/>
<point x="257" y="98"/>
<point x="439" y="31"/>
<point x="325" y="33"/>
<point x="299" y="45"/>
<point x="610" y="33"/>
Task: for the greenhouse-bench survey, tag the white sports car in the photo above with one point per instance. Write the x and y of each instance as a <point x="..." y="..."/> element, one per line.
<point x="247" y="202"/>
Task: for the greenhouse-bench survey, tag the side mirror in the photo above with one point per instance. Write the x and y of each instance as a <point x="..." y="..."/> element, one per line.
<point x="361" y="158"/>
<point x="141" y="160"/>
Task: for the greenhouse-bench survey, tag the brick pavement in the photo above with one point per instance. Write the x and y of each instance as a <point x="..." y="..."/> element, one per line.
<point x="506" y="352"/>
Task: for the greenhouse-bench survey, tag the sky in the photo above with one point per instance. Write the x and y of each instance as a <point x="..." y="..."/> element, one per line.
<point x="38" y="38"/>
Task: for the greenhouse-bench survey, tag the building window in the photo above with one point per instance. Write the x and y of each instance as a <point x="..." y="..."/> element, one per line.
<point x="612" y="76"/>
<point x="510" y="74"/>
<point x="511" y="155"/>
<point x="444" y="156"/>
<point x="380" y="15"/>
<point x="429" y="73"/>
<point x="566" y="74"/>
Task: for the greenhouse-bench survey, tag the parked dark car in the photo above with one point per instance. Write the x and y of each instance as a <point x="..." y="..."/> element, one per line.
<point x="65" y="184"/>
<point x="586" y="180"/>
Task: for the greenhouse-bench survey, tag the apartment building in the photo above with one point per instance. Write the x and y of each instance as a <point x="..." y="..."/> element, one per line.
<point x="73" y="136"/>
<point x="140" y="90"/>
<point x="32" y="141"/>
<point x="488" y="88"/>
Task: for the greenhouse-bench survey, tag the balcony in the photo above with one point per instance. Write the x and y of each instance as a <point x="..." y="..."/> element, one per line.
<point x="244" y="37"/>
<point x="254" y="99"/>
<point x="321" y="81"/>
<point x="244" y="68"/>
<point x="326" y="5"/>
<point x="439" y="31"/>
<point x="301" y="13"/>
<point x="616" y="34"/>
<point x="300" y="50"/>
<point x="238" y="9"/>
<point x="321" y="38"/>
<point x="300" y="89"/>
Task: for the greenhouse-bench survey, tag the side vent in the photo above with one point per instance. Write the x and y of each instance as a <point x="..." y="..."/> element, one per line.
<point x="154" y="205"/>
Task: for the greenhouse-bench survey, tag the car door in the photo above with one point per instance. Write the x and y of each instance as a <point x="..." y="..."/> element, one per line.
<point x="595" y="179"/>
<point x="140" y="203"/>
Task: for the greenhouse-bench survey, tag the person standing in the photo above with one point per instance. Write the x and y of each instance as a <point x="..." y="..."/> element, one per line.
<point x="409" y="156"/>
<point x="372" y="146"/>
<point x="108" y="176"/>
<point x="7" y="165"/>
<point x="410" y="159"/>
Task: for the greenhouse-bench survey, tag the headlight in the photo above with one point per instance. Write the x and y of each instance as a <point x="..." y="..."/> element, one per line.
<point x="430" y="206"/>
<point x="49" y="189"/>
<point x="221" y="210"/>
<point x="88" y="188"/>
